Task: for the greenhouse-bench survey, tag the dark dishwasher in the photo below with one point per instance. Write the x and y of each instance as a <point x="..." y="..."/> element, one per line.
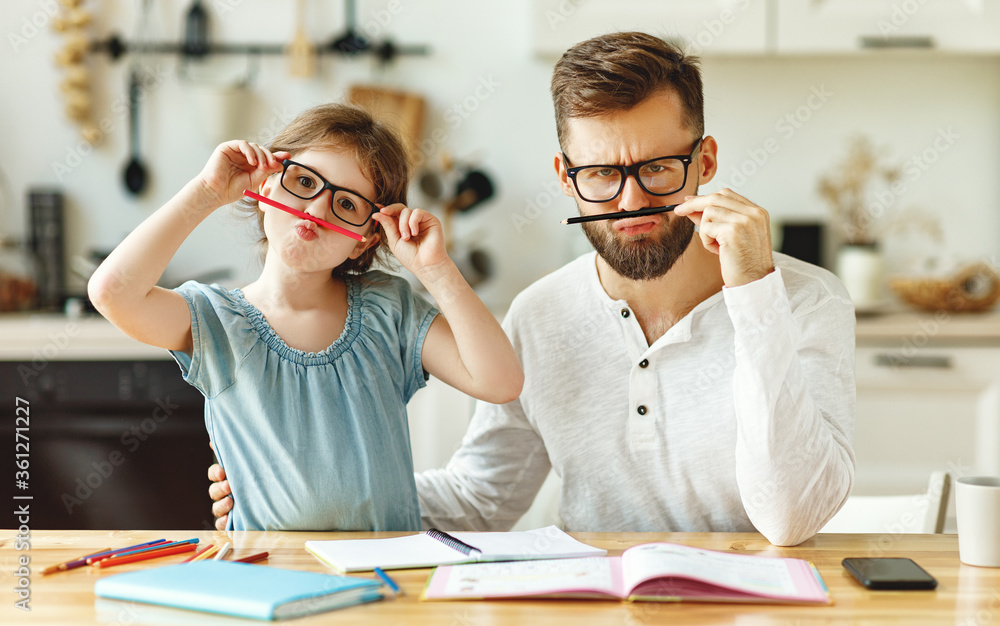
<point x="114" y="445"/>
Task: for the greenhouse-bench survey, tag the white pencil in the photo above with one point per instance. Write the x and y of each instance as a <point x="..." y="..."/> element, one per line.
<point x="223" y="551"/>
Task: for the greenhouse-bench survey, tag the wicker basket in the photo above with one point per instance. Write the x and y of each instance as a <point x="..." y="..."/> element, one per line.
<point x="973" y="288"/>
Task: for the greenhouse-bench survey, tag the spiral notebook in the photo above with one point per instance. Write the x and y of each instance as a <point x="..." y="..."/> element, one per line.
<point x="439" y="548"/>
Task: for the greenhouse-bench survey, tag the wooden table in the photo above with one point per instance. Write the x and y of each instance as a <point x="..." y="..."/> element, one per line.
<point x="965" y="594"/>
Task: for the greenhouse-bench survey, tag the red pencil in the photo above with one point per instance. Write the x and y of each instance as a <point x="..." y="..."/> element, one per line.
<point x="93" y="558"/>
<point x="304" y="215"/>
<point x="253" y="558"/>
<point x="145" y="556"/>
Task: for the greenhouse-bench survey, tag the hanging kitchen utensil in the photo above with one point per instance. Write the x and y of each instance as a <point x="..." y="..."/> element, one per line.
<point x="474" y="188"/>
<point x="301" y="55"/>
<point x="350" y="42"/>
<point x="135" y="172"/>
<point x="196" y="31"/>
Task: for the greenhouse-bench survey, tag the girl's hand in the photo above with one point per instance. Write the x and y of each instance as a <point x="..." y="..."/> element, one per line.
<point x="237" y="165"/>
<point x="415" y="237"/>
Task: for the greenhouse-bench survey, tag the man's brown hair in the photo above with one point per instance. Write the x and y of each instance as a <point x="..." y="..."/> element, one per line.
<point x="617" y="72"/>
<point x="377" y="149"/>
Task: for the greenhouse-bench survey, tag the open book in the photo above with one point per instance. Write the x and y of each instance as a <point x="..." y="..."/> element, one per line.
<point x="438" y="548"/>
<point x="663" y="572"/>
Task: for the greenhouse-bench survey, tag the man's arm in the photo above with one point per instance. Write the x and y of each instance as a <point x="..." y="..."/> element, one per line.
<point x="492" y="479"/>
<point x="488" y="484"/>
<point x="793" y="384"/>
<point x="795" y="406"/>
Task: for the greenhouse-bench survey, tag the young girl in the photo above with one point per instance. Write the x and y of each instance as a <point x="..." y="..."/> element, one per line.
<point x="306" y="372"/>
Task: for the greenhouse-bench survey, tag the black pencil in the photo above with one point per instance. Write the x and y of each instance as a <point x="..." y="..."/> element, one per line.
<point x="618" y="215"/>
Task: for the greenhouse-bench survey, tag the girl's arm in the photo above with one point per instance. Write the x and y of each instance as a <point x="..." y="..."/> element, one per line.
<point x="465" y="346"/>
<point x="124" y="287"/>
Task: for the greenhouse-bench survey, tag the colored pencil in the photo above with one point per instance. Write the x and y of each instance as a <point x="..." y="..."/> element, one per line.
<point x="205" y="554"/>
<point x="146" y="556"/>
<point x="62" y="567"/>
<point x="618" y="215"/>
<point x="93" y="558"/>
<point x="157" y="546"/>
<point x="200" y="554"/>
<point x="223" y="551"/>
<point x="304" y="215"/>
<point x="253" y="558"/>
<point x="208" y="554"/>
<point x="385" y="578"/>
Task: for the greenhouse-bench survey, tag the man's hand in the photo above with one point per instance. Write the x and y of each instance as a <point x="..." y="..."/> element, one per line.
<point x="219" y="491"/>
<point x="737" y="230"/>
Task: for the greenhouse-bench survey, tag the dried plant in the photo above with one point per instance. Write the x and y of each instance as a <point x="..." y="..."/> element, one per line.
<point x="852" y="191"/>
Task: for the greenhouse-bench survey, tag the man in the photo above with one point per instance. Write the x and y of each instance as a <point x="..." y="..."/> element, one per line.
<point x="674" y="382"/>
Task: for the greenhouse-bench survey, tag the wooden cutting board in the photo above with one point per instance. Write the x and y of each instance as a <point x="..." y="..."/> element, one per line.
<point x="402" y="110"/>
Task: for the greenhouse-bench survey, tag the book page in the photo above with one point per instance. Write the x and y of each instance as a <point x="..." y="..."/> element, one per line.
<point x="770" y="577"/>
<point x="356" y="555"/>
<point x="540" y="543"/>
<point x="584" y="577"/>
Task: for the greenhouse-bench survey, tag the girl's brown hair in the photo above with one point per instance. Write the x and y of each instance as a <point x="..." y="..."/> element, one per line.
<point x="618" y="71"/>
<point x="377" y="148"/>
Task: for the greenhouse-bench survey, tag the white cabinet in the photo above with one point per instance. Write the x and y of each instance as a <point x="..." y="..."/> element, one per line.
<point x="922" y="410"/>
<point x="727" y="27"/>
<point x="937" y="409"/>
<point x="835" y="26"/>
<point x="703" y="27"/>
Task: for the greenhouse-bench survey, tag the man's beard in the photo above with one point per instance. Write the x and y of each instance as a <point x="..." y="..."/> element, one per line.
<point x="643" y="257"/>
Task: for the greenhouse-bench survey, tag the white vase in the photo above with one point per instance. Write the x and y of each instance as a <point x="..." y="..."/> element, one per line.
<point x="862" y="269"/>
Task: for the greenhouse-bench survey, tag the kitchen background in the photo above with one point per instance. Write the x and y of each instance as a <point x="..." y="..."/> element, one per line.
<point x="789" y="86"/>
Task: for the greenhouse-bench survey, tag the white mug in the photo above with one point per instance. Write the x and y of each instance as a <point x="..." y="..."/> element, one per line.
<point x="977" y="507"/>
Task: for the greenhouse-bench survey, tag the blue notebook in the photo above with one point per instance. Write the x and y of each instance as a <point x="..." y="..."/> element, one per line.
<point x="240" y="589"/>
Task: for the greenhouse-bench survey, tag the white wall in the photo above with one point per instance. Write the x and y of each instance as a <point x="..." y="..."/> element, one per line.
<point x="903" y="102"/>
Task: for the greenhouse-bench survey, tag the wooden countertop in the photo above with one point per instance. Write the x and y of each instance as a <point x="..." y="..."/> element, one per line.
<point x="965" y="594"/>
<point x="91" y="337"/>
<point x="933" y="327"/>
<point x="52" y="337"/>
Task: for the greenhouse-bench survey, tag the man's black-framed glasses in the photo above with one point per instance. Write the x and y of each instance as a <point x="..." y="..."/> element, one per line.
<point x="661" y="176"/>
<point x="304" y="182"/>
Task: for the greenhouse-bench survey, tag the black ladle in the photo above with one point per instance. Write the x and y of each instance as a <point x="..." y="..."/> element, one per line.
<point x="135" y="171"/>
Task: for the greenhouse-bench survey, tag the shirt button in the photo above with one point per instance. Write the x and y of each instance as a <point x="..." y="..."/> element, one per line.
<point x="625" y="313"/>
<point x="641" y="409"/>
<point x="644" y="363"/>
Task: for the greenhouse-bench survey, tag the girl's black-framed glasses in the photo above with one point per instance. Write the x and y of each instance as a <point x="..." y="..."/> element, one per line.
<point x="347" y="205"/>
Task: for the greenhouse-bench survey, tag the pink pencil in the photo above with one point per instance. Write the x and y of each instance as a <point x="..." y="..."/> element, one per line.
<point x="305" y="216"/>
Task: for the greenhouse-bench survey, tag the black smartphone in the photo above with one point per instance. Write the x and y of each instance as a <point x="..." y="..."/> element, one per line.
<point x="889" y="573"/>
